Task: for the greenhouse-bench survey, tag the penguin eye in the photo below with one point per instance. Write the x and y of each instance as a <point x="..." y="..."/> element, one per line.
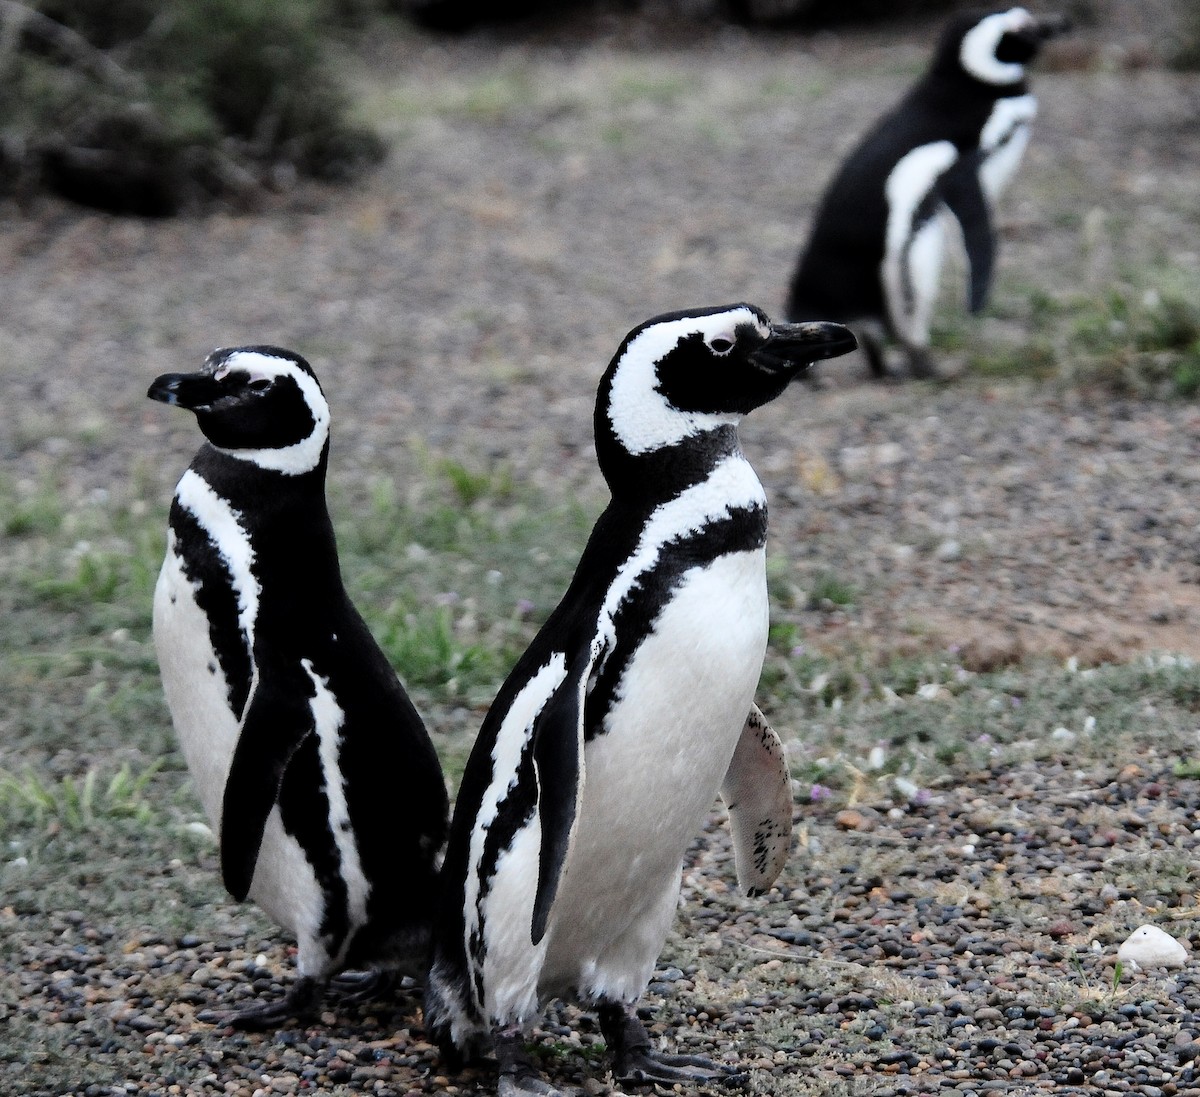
<point x="720" y="345"/>
<point x="259" y="384"/>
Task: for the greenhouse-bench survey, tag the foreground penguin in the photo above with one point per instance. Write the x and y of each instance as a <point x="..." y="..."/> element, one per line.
<point x="304" y="748"/>
<point x="951" y="145"/>
<point x="606" y="746"/>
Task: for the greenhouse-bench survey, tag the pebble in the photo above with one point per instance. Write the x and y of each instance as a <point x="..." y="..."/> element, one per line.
<point x="1150" y="947"/>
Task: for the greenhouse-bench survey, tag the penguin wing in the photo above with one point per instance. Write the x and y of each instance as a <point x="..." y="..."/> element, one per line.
<point x="758" y="793"/>
<point x="558" y="764"/>
<point x="962" y="192"/>
<point x="278" y="718"/>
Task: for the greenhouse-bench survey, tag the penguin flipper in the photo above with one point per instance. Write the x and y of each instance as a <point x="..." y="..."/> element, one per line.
<point x="758" y="793"/>
<point x="558" y="763"/>
<point x="961" y="190"/>
<point x="278" y="718"/>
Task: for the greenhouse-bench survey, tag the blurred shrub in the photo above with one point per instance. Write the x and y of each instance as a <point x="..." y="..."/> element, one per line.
<point x="1186" y="52"/>
<point x="149" y="106"/>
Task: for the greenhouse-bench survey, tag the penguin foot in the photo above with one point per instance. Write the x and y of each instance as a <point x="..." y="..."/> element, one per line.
<point x="870" y="341"/>
<point x="518" y="1077"/>
<point x="299" y="1004"/>
<point x="921" y="365"/>
<point x="362" y="987"/>
<point x="646" y="1067"/>
<point x="635" y="1063"/>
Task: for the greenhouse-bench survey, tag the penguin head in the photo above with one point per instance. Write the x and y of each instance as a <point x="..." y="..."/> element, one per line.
<point x="259" y="404"/>
<point x="686" y="373"/>
<point x="994" y="48"/>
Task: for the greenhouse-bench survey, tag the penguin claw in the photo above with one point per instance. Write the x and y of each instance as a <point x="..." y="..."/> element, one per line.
<point x="645" y="1067"/>
<point x="517" y="1075"/>
<point x="299" y="1004"/>
<point x="363" y="987"/>
<point x="512" y="1086"/>
<point x="635" y="1063"/>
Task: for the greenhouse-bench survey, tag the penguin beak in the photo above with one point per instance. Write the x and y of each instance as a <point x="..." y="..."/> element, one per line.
<point x="194" y="391"/>
<point x="1046" y="27"/>
<point x="794" y="346"/>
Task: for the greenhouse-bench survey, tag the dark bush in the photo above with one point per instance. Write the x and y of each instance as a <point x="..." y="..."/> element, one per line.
<point x="149" y="106"/>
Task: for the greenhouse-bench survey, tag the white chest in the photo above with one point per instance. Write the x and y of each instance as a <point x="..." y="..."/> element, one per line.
<point x="1003" y="140"/>
<point x="652" y="776"/>
<point x="194" y="684"/>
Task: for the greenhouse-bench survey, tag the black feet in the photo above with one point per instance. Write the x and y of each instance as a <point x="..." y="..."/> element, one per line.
<point x="299" y="1004"/>
<point x="518" y="1077"/>
<point x="636" y="1063"/>
<point x="359" y="988"/>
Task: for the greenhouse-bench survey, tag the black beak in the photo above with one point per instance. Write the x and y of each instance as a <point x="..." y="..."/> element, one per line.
<point x="185" y="390"/>
<point x="1051" y="26"/>
<point x="793" y="346"/>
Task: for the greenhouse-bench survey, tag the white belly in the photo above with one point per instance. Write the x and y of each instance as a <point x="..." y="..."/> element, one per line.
<point x="194" y="686"/>
<point x="283" y="885"/>
<point x="651" y="778"/>
<point x="1003" y="140"/>
<point x="912" y="262"/>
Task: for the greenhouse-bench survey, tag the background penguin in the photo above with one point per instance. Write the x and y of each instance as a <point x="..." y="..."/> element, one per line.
<point x="874" y="254"/>
<point x="606" y="746"/>
<point x="303" y="746"/>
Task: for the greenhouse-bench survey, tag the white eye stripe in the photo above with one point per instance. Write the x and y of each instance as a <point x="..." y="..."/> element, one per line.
<point x="257" y="366"/>
<point x="977" y="54"/>
<point x="303" y="455"/>
<point x="641" y="417"/>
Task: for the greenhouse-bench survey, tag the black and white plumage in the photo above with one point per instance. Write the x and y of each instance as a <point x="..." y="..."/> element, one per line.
<point x="608" y="743"/>
<point x="308" y="757"/>
<point x="949" y="147"/>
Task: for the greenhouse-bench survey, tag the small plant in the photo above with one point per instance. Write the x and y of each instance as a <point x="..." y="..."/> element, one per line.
<point x="74" y="804"/>
<point x="827" y="590"/>
<point x="471" y="487"/>
<point x="1186" y="52"/>
<point x="1143" y="344"/>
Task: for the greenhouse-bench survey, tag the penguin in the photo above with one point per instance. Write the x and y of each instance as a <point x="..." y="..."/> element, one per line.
<point x="949" y="147"/>
<point x="607" y="744"/>
<point x="309" y="758"/>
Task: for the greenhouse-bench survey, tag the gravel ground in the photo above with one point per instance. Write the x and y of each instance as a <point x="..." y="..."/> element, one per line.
<point x="542" y="199"/>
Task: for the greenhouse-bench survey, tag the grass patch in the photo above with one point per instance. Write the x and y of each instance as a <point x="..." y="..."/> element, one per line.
<point x="29" y="799"/>
<point x="928" y="718"/>
<point x="1138" y="338"/>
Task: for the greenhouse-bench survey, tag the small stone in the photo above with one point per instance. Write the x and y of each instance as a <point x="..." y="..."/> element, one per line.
<point x="849" y="819"/>
<point x="1148" y="946"/>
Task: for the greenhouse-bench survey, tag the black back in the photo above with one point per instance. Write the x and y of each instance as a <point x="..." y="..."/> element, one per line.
<point x="837" y="276"/>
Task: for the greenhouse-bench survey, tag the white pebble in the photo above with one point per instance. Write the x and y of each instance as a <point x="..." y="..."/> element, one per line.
<point x="1148" y="946"/>
<point x="200" y="830"/>
<point x="906" y="788"/>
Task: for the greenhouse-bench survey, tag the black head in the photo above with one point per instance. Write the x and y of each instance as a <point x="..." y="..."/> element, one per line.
<point x="993" y="48"/>
<point x="685" y="373"/>
<point x="261" y="404"/>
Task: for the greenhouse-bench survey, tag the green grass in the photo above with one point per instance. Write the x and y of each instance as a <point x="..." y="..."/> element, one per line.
<point x="928" y="718"/>
<point x="1138" y="337"/>
<point x="454" y="579"/>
